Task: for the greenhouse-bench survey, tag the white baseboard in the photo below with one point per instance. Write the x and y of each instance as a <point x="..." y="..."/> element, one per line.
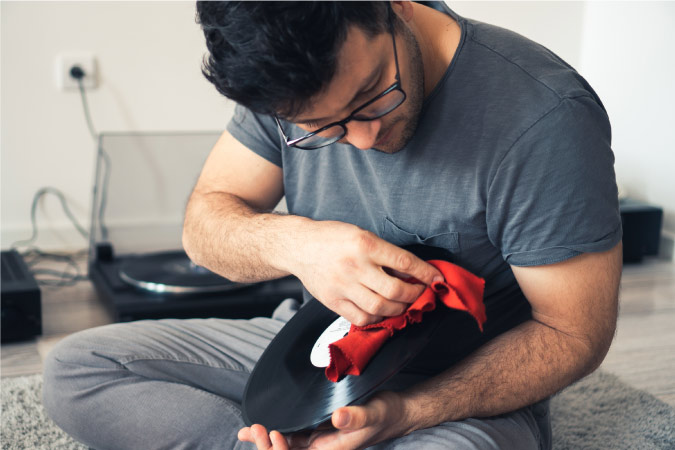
<point x="127" y="237"/>
<point x="55" y="238"/>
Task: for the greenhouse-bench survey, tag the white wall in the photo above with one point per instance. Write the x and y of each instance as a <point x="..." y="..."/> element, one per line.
<point x="629" y="57"/>
<point x="556" y="25"/>
<point x="149" y="56"/>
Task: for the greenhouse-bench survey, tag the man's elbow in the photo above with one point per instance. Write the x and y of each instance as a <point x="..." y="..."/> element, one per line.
<point x="189" y="248"/>
<point x="190" y="241"/>
<point x="598" y="347"/>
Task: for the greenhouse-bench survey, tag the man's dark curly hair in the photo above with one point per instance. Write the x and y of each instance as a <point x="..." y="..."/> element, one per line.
<point x="273" y="57"/>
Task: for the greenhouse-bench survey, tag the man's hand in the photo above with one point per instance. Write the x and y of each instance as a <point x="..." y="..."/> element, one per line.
<point x="257" y="434"/>
<point x="355" y="273"/>
<point x="382" y="417"/>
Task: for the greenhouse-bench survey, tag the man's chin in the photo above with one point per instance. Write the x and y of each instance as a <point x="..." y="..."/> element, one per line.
<point x="389" y="151"/>
<point x="396" y="143"/>
<point x="392" y="145"/>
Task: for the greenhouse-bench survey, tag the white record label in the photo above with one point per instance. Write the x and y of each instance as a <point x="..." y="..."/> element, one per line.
<point x="320" y="357"/>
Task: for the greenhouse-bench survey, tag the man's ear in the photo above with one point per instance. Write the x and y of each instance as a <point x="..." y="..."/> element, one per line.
<point x="403" y="9"/>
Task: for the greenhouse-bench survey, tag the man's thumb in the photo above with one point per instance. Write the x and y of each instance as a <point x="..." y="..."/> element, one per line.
<point x="350" y="418"/>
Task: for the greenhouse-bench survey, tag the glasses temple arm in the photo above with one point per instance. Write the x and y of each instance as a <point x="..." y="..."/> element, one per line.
<point x="393" y="40"/>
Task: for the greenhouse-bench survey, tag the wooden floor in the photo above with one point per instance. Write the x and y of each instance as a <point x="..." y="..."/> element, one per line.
<point x="643" y="353"/>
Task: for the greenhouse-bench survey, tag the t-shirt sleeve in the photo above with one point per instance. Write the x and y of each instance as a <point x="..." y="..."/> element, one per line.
<point x="257" y="132"/>
<point x="554" y="194"/>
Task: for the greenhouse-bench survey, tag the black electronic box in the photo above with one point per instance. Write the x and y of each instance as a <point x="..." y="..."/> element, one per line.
<point x="641" y="229"/>
<point x="21" y="307"/>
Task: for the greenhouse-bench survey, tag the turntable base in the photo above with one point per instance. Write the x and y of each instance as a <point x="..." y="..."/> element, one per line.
<point x="127" y="303"/>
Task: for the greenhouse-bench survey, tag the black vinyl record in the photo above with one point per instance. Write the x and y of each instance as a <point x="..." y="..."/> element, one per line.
<point x="287" y="393"/>
<point x="172" y="272"/>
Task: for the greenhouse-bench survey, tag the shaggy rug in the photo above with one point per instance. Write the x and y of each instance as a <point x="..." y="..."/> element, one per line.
<point x="598" y="412"/>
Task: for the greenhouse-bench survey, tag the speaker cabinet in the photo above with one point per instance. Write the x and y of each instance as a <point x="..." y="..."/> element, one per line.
<point x="21" y="308"/>
<point x="641" y="229"/>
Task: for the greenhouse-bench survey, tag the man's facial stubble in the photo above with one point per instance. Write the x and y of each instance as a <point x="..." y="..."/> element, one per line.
<point x="408" y="119"/>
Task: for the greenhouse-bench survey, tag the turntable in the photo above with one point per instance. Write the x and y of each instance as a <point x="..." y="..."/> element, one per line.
<point x="136" y="263"/>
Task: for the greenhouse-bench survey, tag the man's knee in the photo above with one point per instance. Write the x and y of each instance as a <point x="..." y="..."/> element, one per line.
<point x="71" y="371"/>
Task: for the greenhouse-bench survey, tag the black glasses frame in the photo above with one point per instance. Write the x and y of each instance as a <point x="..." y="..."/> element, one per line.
<point x="394" y="87"/>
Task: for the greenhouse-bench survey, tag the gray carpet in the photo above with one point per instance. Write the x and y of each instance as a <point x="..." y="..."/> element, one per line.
<point x="599" y="412"/>
<point x="24" y="423"/>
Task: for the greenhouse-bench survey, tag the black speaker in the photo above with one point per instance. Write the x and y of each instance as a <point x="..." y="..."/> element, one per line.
<point x="641" y="229"/>
<point x="21" y="308"/>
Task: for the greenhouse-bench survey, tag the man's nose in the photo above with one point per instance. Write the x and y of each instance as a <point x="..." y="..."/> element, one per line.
<point x="363" y="134"/>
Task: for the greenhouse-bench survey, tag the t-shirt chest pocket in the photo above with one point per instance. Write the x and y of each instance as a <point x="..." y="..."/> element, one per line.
<point x="446" y="243"/>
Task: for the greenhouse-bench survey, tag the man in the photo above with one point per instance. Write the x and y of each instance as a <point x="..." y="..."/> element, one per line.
<point x="385" y="125"/>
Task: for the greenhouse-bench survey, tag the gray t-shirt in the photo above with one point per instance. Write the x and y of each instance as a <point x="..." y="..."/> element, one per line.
<point x="511" y="164"/>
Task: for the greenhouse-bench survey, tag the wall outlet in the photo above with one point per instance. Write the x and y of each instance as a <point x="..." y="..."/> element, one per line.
<point x="66" y="61"/>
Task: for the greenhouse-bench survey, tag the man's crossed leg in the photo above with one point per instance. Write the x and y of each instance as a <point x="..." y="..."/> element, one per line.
<point x="178" y="384"/>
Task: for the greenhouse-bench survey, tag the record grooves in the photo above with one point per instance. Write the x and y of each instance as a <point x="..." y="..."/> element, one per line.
<point x="172" y="272"/>
<point x="287" y="393"/>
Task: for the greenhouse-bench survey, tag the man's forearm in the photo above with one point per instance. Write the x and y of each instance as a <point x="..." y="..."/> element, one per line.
<point x="516" y="369"/>
<point x="227" y="236"/>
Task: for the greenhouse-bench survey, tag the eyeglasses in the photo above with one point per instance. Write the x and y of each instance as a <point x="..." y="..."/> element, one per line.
<point x="377" y="107"/>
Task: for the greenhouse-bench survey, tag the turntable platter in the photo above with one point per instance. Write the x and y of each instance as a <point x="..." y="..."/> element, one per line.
<point x="172" y="272"/>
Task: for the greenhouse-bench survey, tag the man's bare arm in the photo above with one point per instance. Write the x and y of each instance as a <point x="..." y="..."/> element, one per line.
<point x="228" y="225"/>
<point x="574" y="308"/>
<point x="230" y="237"/>
<point x="229" y="230"/>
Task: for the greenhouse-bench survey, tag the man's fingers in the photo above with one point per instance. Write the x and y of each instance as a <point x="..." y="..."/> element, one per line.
<point x="355" y="417"/>
<point x="279" y="442"/>
<point x="392" y="287"/>
<point x="374" y="303"/>
<point x="245" y="435"/>
<point x="356" y="315"/>
<point x="405" y="262"/>
<point x="396" y="273"/>
<point x="260" y="437"/>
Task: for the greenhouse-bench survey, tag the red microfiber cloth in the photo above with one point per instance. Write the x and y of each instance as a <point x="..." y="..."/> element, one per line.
<point x="461" y="290"/>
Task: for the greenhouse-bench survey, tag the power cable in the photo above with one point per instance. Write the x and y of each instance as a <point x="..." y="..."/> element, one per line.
<point x="33" y="255"/>
<point x="77" y="73"/>
<point x="33" y="216"/>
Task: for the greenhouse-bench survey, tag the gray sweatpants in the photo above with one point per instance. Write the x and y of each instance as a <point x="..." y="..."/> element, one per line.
<point x="178" y="384"/>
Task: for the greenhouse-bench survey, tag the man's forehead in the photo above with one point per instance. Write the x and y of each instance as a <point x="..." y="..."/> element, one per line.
<point x="359" y="63"/>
